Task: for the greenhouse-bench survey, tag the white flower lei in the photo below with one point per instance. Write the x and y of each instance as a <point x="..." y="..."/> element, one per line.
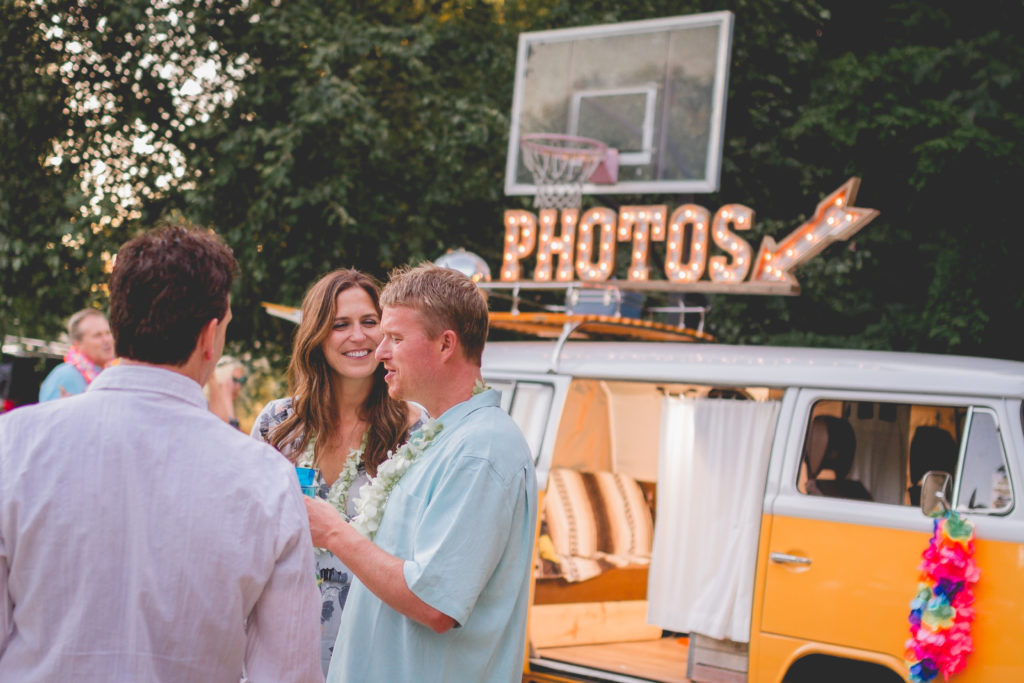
<point x="373" y="496"/>
<point x="338" y="493"/>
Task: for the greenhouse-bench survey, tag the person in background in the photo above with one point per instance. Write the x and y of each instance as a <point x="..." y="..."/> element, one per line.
<point x="442" y="543"/>
<point x="92" y="348"/>
<point x="178" y="548"/>
<point x="338" y="417"/>
<point x="224" y="387"/>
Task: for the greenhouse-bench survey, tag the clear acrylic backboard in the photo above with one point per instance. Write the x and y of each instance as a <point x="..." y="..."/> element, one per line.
<point x="654" y="90"/>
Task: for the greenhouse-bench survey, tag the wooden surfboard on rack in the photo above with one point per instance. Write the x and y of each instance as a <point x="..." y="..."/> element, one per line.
<point x="547" y="325"/>
<point x="590" y="326"/>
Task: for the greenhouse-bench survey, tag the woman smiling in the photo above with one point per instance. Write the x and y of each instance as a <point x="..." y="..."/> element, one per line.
<point x="338" y="417"/>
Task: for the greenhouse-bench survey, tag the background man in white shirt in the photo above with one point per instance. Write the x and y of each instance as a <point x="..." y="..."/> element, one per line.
<point x="141" y="537"/>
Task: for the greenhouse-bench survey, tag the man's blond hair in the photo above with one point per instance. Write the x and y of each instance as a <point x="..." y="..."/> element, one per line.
<point x="445" y="299"/>
<point x="75" y="322"/>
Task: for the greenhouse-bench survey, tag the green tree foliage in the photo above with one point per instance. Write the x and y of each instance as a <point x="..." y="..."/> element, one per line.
<point x="96" y="96"/>
<point x="37" y="200"/>
<point x="316" y="134"/>
<point x="925" y="103"/>
<point x="352" y="143"/>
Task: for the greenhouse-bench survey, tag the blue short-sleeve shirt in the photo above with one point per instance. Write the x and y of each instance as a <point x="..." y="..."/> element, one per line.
<point x="65" y="376"/>
<point x="463" y="519"/>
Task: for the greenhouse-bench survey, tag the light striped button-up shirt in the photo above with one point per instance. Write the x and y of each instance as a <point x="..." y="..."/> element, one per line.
<point x="143" y="539"/>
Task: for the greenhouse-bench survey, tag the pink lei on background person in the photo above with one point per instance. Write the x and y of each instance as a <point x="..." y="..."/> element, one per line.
<point x="942" y="612"/>
<point x="85" y="366"/>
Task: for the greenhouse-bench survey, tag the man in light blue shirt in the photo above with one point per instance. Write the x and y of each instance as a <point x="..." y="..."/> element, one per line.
<point x="92" y="348"/>
<point x="442" y="589"/>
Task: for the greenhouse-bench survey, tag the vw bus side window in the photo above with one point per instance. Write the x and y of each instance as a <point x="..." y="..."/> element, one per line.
<point x="984" y="484"/>
<point x="529" y="404"/>
<point x="878" y="451"/>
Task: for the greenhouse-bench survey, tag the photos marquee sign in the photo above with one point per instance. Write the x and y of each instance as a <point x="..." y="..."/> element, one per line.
<point x="581" y="247"/>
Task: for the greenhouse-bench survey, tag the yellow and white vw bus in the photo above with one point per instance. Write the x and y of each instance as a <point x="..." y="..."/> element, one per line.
<point x="729" y="513"/>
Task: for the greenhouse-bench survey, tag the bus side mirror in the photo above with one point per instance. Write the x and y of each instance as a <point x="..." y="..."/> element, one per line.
<point x="936" y="491"/>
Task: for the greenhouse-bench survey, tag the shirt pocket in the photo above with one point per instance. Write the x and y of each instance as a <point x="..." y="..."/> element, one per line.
<point x="402" y="516"/>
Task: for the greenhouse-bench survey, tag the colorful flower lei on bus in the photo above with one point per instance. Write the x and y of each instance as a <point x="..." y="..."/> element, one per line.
<point x="942" y="612"/>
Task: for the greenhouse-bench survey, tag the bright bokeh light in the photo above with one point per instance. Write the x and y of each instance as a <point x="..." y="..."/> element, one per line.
<point x="127" y="162"/>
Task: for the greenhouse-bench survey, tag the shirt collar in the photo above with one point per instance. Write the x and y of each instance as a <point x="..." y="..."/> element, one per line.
<point x="151" y="379"/>
<point x="484" y="399"/>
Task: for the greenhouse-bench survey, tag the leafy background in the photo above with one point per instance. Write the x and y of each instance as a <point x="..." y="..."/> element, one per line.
<point x="314" y="134"/>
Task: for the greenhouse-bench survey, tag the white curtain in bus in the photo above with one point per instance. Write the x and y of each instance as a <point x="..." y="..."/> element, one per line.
<point x="880" y="460"/>
<point x="712" y="466"/>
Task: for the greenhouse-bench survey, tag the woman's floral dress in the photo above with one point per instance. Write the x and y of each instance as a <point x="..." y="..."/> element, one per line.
<point x="334" y="578"/>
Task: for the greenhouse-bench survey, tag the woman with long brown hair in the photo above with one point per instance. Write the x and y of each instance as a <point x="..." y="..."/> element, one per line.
<point x="338" y="417"/>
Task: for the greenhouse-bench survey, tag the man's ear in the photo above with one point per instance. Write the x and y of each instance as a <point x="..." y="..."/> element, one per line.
<point x="449" y="343"/>
<point x="207" y="335"/>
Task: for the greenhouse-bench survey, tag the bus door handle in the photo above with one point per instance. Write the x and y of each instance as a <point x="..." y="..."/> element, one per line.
<point x="784" y="558"/>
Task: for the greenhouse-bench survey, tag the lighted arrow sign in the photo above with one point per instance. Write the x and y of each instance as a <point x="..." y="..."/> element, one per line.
<point x="835" y="219"/>
<point x="583" y="245"/>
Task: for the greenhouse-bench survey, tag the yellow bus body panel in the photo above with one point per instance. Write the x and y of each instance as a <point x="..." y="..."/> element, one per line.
<point x="854" y="598"/>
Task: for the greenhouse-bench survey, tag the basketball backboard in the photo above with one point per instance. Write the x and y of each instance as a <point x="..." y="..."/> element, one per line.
<point x="654" y="90"/>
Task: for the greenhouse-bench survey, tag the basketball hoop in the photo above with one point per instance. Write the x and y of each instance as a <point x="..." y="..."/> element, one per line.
<point x="560" y="164"/>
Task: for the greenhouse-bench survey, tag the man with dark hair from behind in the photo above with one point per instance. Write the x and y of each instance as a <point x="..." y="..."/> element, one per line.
<point x="161" y="545"/>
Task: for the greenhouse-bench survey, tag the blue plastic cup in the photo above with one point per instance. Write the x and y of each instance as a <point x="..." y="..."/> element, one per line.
<point x="307" y="480"/>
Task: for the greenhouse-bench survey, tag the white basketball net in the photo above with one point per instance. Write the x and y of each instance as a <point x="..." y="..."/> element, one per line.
<point x="560" y="164"/>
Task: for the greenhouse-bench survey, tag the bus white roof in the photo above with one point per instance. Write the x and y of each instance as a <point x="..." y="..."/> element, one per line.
<point x="726" y="365"/>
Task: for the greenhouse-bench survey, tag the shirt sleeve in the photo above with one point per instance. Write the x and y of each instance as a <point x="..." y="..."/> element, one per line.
<point x="459" y="544"/>
<point x="6" y="607"/>
<point x="62" y="376"/>
<point x="261" y="425"/>
<point x="273" y="414"/>
<point x="283" y="629"/>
